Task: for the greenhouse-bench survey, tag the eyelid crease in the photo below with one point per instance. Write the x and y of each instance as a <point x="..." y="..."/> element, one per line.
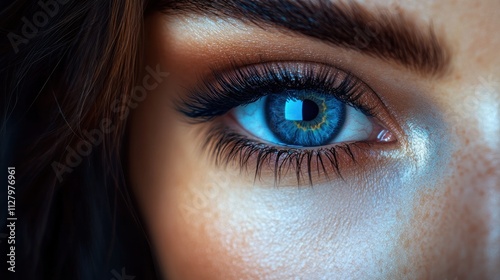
<point x="381" y="33"/>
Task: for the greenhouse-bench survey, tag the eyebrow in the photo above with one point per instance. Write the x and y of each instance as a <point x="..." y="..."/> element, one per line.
<point x="376" y="32"/>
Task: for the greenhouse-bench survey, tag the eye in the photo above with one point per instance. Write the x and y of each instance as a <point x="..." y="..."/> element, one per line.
<point x="310" y="117"/>
<point x="305" y="119"/>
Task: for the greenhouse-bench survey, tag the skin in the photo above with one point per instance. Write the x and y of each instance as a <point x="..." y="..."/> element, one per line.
<point x="424" y="207"/>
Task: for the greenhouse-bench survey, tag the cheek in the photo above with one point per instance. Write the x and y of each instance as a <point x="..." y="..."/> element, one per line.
<point x="208" y="224"/>
<point x="217" y="226"/>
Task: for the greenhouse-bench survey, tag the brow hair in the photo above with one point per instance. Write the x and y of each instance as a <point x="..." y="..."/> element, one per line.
<point x="377" y="32"/>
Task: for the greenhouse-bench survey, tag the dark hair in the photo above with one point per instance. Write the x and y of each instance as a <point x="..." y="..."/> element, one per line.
<point x="67" y="69"/>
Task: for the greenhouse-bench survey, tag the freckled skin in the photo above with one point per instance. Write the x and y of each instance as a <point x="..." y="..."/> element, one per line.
<point x="430" y="210"/>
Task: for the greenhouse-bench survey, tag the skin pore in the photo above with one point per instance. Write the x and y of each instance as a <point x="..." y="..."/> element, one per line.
<point x="422" y="207"/>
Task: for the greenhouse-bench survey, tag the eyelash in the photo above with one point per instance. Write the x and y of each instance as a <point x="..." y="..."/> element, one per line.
<point x="244" y="85"/>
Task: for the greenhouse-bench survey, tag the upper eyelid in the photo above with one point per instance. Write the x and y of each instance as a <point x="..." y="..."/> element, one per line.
<point x="396" y="36"/>
<point x="228" y="83"/>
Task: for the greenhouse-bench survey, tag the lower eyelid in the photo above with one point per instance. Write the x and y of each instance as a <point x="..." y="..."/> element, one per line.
<point x="284" y="166"/>
<point x="292" y="167"/>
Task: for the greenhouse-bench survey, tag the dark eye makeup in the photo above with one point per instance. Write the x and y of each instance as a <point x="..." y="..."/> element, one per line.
<point x="295" y="119"/>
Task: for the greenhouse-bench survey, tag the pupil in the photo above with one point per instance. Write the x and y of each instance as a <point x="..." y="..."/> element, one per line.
<point x="310" y="110"/>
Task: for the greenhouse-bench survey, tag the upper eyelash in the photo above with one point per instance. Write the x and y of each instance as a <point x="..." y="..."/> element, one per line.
<point x="245" y="85"/>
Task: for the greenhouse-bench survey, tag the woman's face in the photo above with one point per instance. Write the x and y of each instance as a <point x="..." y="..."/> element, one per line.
<point x="259" y="157"/>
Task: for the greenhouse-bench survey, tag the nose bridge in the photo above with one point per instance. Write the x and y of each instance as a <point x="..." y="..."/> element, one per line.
<point x="480" y="177"/>
<point x="482" y="139"/>
<point x="487" y="176"/>
<point x="474" y="118"/>
<point x="485" y="103"/>
<point x="493" y="208"/>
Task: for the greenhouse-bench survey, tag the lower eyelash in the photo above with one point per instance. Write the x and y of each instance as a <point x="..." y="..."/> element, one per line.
<point x="227" y="146"/>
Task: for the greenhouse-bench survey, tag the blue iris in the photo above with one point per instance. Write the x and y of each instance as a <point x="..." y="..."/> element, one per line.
<point x="304" y="118"/>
